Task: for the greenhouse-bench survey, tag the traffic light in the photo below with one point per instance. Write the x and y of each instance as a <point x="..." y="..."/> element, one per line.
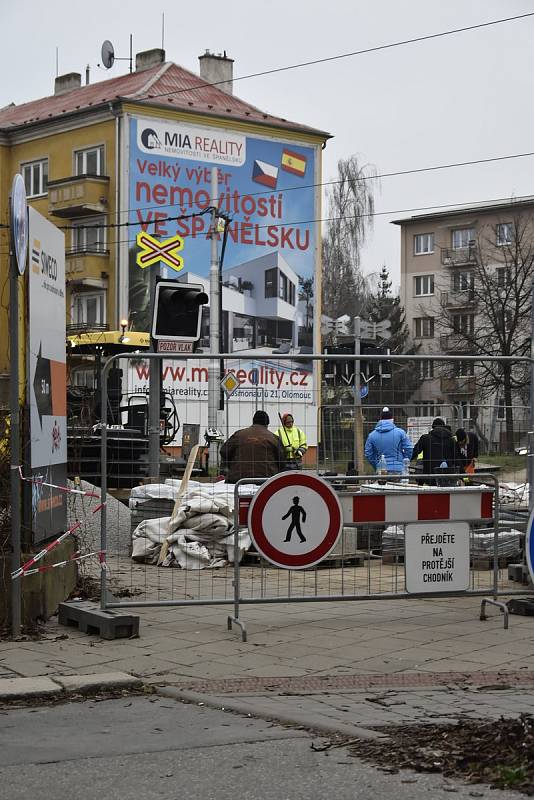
<point x="177" y="313"/>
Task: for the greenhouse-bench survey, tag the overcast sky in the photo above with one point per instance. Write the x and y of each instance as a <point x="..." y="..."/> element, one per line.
<point x="451" y="99"/>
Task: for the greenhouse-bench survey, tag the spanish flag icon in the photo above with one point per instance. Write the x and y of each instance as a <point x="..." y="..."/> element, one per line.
<point x="293" y="162"/>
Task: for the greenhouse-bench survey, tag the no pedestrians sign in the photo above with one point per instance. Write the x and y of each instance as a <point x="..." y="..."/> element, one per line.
<point x="295" y="520"/>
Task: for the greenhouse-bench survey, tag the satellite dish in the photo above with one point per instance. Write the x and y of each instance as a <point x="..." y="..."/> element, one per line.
<point x="108" y="54"/>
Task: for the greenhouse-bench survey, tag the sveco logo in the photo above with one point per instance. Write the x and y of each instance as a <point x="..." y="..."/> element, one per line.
<point x="48" y="266"/>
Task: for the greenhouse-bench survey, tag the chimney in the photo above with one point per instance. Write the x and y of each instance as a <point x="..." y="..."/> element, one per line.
<point x="218" y="69"/>
<point x="64" y="83"/>
<point x="149" y="58"/>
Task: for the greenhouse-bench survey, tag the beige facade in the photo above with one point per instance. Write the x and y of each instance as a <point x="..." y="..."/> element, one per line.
<point x="442" y="256"/>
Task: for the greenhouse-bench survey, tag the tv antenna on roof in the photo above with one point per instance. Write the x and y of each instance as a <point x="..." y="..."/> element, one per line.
<point x="108" y="56"/>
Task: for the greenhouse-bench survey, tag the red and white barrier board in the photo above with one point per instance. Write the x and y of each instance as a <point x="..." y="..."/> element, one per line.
<point x="462" y="504"/>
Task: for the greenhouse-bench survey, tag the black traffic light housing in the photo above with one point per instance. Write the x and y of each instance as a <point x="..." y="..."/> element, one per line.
<point x="177" y="312"/>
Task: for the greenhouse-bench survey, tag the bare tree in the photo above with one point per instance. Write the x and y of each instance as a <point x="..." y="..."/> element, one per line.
<point x="488" y="313"/>
<point x="350" y="206"/>
<point x="306" y="296"/>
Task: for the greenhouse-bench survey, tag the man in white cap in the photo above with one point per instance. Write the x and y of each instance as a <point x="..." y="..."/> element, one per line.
<point x="389" y="441"/>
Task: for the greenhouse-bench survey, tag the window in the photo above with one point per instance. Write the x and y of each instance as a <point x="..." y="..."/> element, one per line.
<point x="504" y="277"/>
<point x="464" y="369"/>
<point x="89" y="308"/>
<point x="462" y="281"/>
<point x="427" y="408"/>
<point x="468" y="409"/>
<point x="90" y="161"/>
<point x="271" y="278"/>
<point x="501" y="410"/>
<point x="286" y="289"/>
<point x="35" y="177"/>
<point x="462" y="237"/>
<point x="89" y="236"/>
<point x="423" y="285"/>
<point x="423" y="243"/>
<point x="463" y="323"/>
<point x="504" y="233"/>
<point x="426" y="370"/>
<point x="424" y="327"/>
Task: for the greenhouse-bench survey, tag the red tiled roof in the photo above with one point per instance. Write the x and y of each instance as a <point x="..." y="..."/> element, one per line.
<point x="166" y="85"/>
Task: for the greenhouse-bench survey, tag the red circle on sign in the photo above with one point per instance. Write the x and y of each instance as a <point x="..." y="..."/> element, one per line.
<point x="255" y="520"/>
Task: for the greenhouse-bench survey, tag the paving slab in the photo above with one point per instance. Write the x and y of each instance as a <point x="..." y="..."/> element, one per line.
<point x="21" y="688"/>
<point x="104" y="680"/>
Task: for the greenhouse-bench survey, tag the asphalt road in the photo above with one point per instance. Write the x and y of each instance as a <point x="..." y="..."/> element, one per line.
<point x="152" y="748"/>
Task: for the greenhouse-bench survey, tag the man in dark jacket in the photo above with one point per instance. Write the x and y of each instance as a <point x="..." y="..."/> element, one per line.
<point x="441" y="455"/>
<point x="253" y="452"/>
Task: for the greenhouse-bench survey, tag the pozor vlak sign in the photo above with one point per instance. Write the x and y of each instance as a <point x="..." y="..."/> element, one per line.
<point x="47" y="376"/>
<point x="267" y="185"/>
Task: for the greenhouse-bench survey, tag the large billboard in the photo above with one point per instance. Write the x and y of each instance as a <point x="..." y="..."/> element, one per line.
<point x="268" y="186"/>
<point x="47" y="376"/>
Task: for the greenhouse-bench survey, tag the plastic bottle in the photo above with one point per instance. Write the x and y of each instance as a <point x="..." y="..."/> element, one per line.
<point x="382" y="467"/>
<point x="405" y="470"/>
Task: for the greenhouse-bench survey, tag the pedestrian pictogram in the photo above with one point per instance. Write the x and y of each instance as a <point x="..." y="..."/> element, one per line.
<point x="152" y="251"/>
<point x="296" y="512"/>
<point x="295" y="519"/>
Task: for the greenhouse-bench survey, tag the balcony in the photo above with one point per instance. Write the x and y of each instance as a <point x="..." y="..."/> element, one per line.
<point x="459" y="257"/>
<point x="457" y="298"/>
<point x="78" y="196"/>
<point x="451" y="342"/>
<point x="86" y="265"/>
<point x="462" y="385"/>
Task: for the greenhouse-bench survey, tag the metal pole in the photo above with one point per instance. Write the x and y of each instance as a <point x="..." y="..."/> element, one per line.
<point x="14" y="429"/>
<point x="530" y="456"/>
<point x="104" y="477"/>
<point x="358" y="421"/>
<point x="213" y="373"/>
<point x="154" y="387"/>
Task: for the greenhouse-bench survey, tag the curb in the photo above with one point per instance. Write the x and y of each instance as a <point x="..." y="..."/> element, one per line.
<point x="64" y="685"/>
<point x="264" y="711"/>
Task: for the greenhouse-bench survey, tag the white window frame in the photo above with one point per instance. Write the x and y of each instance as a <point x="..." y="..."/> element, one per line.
<point x="424" y="324"/>
<point x="84" y="153"/>
<point x="464" y="369"/>
<point x="427" y="408"/>
<point x="79" y="302"/>
<point x="462" y="281"/>
<point x="30" y="167"/>
<point x="423" y="285"/>
<point x="426" y="370"/>
<point x="466" y="237"/>
<point x="83" y="229"/>
<point x="463" y="324"/>
<point x="499" y="228"/>
<point x="423" y="244"/>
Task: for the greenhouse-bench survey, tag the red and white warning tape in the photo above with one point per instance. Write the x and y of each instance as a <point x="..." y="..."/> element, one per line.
<point x="67" y="489"/>
<point x="38" y="556"/>
<point x="75" y="557"/>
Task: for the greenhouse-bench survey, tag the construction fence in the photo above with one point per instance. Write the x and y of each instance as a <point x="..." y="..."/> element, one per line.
<point x="170" y="544"/>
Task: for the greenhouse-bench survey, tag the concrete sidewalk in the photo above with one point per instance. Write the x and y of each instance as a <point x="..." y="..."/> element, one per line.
<point x="340" y="666"/>
<point x="186" y="646"/>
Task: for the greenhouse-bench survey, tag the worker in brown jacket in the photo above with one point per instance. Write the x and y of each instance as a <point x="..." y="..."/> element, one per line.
<point x="253" y="452"/>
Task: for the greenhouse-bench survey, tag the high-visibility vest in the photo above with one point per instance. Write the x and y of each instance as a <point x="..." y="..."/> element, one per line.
<point x="292" y="438"/>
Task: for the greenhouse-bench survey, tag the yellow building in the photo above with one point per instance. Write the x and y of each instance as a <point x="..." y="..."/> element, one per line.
<point x="82" y="154"/>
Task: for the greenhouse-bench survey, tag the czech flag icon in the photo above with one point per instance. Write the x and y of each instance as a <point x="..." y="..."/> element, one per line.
<point x="266" y="174"/>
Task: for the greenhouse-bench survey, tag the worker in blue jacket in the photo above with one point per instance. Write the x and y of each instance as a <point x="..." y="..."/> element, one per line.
<point x="388" y="440"/>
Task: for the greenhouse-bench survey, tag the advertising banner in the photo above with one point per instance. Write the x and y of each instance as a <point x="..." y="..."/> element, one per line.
<point x="267" y="187"/>
<point x="47" y="376"/>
